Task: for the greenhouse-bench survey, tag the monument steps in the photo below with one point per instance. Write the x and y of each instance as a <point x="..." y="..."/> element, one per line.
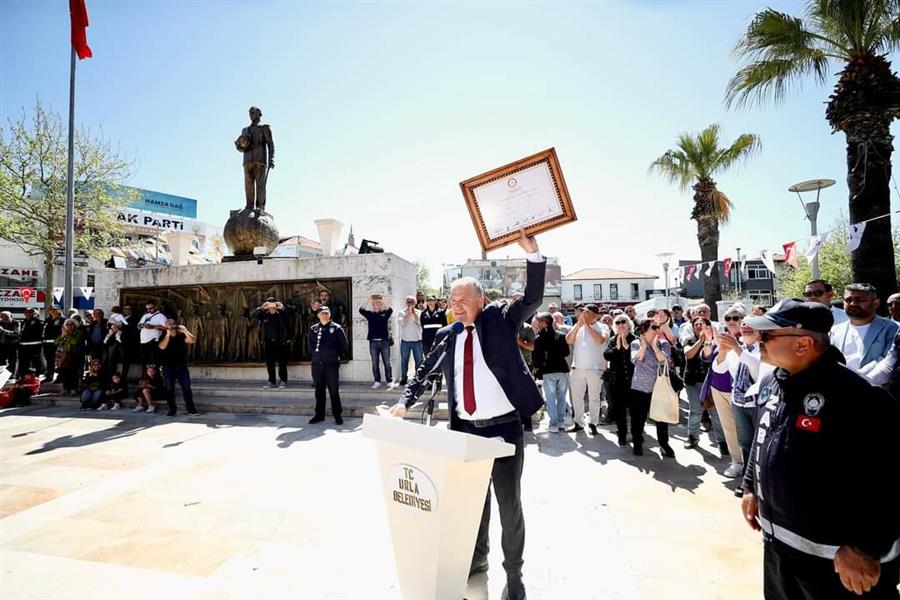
<point x="249" y="397"/>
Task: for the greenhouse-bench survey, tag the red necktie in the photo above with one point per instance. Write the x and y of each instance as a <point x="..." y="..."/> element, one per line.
<point x="469" y="372"/>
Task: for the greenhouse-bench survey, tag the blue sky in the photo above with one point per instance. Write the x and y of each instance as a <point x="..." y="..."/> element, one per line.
<point x="379" y="110"/>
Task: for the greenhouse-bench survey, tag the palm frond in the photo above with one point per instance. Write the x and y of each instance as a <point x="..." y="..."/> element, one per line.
<point x="721" y="206"/>
<point x="772" y="79"/>
<point x="883" y="34"/>
<point x="743" y="148"/>
<point x="675" y="168"/>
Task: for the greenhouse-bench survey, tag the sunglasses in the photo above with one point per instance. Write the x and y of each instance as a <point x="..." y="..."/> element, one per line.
<point x="733" y="318"/>
<point x="765" y="336"/>
<point x="814" y="294"/>
<point x="621" y="323"/>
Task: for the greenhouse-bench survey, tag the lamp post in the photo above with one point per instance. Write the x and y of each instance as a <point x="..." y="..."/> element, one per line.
<point x="811" y="209"/>
<point x="665" y="257"/>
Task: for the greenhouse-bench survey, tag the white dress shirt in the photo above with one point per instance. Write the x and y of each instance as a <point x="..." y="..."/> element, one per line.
<point x="490" y="399"/>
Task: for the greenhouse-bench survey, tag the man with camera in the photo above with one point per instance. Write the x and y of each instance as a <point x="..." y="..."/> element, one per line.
<point x="274" y="318"/>
<point x="378" y="315"/>
<point x="173" y="348"/>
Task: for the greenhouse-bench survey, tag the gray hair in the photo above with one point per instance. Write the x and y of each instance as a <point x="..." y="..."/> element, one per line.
<point x="736" y="309"/>
<point x="470" y="282"/>
<point x="702" y="306"/>
<point x="628" y="322"/>
<point x="865" y="288"/>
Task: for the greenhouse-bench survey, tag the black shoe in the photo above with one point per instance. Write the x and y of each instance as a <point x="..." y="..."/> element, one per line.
<point x="402" y="382"/>
<point x="738" y="492"/>
<point x="316" y="419"/>
<point x="593" y="429"/>
<point x="513" y="590"/>
<point x="171" y="414"/>
<point x="638" y="449"/>
<point x="666" y="451"/>
<point x="691" y="442"/>
<point x="705" y="425"/>
<point x="480" y="566"/>
<point x="575" y="428"/>
<point x="723" y="449"/>
<point x="339" y="420"/>
<point x="606" y="421"/>
<point x="623" y="440"/>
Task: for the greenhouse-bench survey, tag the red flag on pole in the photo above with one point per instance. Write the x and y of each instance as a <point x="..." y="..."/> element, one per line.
<point x="78" y="12"/>
<point x="690" y="272"/>
<point x="726" y="264"/>
<point x="790" y="254"/>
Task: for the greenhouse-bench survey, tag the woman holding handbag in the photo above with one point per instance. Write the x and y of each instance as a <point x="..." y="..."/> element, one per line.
<point x="648" y="352"/>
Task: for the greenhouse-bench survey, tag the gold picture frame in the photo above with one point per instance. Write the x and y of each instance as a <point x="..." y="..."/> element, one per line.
<point x="530" y="193"/>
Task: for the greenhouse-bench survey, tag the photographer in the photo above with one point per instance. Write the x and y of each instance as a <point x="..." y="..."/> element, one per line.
<point x="173" y="348"/>
<point x="274" y="327"/>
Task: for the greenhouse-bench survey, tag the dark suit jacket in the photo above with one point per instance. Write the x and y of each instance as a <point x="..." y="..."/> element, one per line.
<point x="497" y="327"/>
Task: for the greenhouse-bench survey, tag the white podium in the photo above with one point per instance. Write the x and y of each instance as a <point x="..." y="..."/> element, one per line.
<point x="435" y="481"/>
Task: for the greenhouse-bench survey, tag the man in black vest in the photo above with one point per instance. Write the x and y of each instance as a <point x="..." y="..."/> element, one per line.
<point x="274" y="318"/>
<point x="490" y="396"/>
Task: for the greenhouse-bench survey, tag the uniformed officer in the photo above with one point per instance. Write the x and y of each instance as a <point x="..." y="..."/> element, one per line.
<point x="822" y="477"/>
<point x="327" y="341"/>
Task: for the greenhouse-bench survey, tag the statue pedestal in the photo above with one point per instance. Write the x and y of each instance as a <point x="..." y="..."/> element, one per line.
<point x="247" y="229"/>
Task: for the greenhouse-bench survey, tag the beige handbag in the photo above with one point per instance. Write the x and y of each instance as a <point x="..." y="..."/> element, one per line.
<point x="664" y="400"/>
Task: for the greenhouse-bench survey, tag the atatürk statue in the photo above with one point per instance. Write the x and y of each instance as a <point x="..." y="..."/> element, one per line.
<point x="259" y="156"/>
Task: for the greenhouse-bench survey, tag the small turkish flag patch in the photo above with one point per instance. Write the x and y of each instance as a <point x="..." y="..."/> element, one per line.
<point x="807" y="423"/>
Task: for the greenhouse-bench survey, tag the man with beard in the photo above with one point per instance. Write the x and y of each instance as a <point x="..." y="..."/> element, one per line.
<point x="866" y="338"/>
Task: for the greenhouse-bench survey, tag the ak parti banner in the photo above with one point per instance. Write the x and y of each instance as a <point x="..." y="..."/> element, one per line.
<point x="78" y="13"/>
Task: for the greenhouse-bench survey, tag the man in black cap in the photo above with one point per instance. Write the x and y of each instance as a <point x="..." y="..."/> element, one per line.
<point x="327" y="342"/>
<point x="823" y="475"/>
<point x="274" y="319"/>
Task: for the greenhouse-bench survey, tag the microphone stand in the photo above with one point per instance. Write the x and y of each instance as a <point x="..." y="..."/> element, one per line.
<point x="434" y="379"/>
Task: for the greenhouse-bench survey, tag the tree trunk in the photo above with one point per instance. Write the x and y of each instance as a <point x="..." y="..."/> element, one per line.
<point x="868" y="178"/>
<point x="708" y="238"/>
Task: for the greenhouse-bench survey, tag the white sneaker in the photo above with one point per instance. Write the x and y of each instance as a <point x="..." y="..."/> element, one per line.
<point x="151" y="409"/>
<point x="115" y="406"/>
<point x="138" y="408"/>
<point x="376" y="385"/>
<point x="102" y="407"/>
<point x="393" y="385"/>
<point x="733" y="470"/>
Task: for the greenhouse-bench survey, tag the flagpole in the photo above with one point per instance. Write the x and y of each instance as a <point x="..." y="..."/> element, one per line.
<point x="69" y="297"/>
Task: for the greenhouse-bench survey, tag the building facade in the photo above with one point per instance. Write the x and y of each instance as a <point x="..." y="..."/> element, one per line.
<point x="606" y="287"/>
<point x="503" y="278"/>
<point x="750" y="280"/>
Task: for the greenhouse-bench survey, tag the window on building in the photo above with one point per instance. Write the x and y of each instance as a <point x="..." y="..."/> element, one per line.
<point x="634" y="291"/>
<point x="757" y="272"/>
<point x="598" y="291"/>
<point x="91" y="278"/>
<point x="614" y="291"/>
<point x="761" y="297"/>
<point x="577" y="291"/>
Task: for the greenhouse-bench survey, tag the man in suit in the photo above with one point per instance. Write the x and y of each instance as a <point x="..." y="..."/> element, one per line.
<point x="866" y="338"/>
<point x="489" y="390"/>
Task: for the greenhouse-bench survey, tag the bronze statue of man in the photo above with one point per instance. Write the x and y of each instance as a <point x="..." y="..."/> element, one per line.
<point x="259" y="156"/>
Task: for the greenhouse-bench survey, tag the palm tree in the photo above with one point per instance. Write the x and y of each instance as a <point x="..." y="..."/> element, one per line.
<point x="781" y="50"/>
<point x="692" y="164"/>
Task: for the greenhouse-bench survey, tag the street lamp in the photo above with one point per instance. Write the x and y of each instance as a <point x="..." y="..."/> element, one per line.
<point x="665" y="257"/>
<point x="812" y="208"/>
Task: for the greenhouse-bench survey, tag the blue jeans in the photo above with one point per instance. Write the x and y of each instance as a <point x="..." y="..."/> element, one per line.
<point x="745" y="421"/>
<point x="381" y="349"/>
<point x="696" y="412"/>
<point x="556" y="386"/>
<point x="91" y="399"/>
<point x="405" y="349"/>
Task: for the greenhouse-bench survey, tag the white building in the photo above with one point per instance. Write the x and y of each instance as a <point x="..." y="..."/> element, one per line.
<point x="610" y="287"/>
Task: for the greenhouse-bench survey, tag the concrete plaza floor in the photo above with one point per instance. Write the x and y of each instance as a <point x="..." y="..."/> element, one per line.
<point x="121" y="505"/>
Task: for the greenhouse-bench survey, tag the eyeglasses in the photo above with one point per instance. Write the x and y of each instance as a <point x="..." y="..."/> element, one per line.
<point x="621" y="322"/>
<point x="733" y="318"/>
<point x="765" y="336"/>
<point x="814" y="294"/>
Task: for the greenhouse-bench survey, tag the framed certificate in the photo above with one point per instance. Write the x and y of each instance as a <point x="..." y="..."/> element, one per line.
<point x="529" y="193"/>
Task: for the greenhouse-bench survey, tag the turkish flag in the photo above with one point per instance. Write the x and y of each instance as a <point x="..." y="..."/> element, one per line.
<point x="790" y="254"/>
<point x="726" y="264"/>
<point x="78" y="12"/>
<point x="807" y="423"/>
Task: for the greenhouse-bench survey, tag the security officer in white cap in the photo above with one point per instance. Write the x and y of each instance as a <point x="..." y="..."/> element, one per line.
<point x="327" y="342"/>
<point x="823" y="477"/>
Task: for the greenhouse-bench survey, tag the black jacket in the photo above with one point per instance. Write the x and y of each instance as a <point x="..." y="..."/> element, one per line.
<point x="32" y="331"/>
<point x="53" y="329"/>
<point x="327" y="343"/>
<point x="550" y="352"/>
<point x="275" y="328"/>
<point x="619" y="368"/>
<point x="497" y="327"/>
<point x="431" y="323"/>
<point x="824" y="464"/>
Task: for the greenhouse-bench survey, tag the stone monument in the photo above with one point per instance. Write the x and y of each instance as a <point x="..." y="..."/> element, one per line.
<point x="253" y="227"/>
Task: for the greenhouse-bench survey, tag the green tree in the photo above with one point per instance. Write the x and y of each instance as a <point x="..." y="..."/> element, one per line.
<point x="781" y="50"/>
<point x="834" y="265"/>
<point x="693" y="163"/>
<point x="33" y="167"/>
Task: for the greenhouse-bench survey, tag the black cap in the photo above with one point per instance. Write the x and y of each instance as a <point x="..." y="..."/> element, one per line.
<point x="795" y="313"/>
<point x="593" y="308"/>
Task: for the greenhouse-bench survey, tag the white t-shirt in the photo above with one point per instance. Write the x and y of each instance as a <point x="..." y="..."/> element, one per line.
<point x="147" y="334"/>
<point x="853" y="345"/>
<point x="587" y="353"/>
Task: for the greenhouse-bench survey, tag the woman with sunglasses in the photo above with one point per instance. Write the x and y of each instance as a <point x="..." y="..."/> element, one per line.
<point x="700" y="335"/>
<point x="618" y="373"/>
<point x="722" y="384"/>
<point x="648" y="352"/>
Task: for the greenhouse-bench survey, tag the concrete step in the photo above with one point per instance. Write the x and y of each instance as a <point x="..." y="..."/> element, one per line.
<point x="249" y="397"/>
